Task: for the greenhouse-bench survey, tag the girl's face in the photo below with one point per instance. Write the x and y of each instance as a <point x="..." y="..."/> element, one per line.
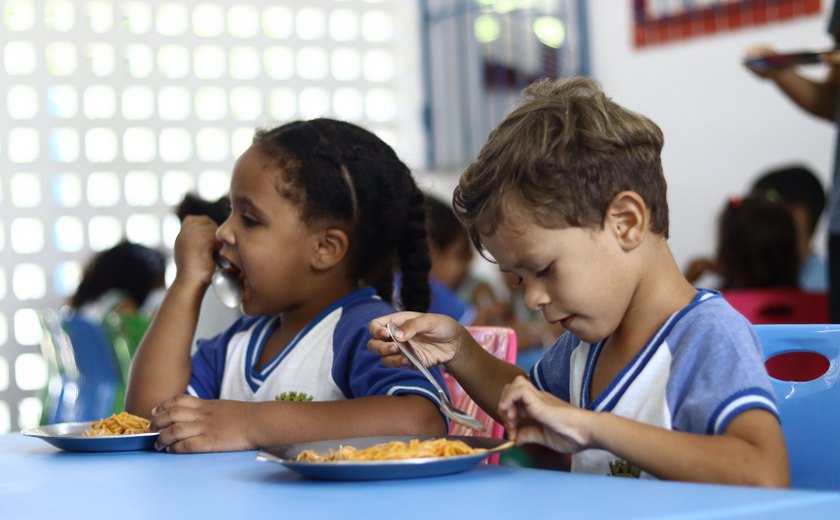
<point x="265" y="238"/>
<point x="573" y="275"/>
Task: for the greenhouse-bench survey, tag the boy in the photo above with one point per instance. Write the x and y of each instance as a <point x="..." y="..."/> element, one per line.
<point x="652" y="377"/>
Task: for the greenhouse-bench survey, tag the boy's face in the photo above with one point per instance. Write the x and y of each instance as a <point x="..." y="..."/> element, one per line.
<point x="573" y="275"/>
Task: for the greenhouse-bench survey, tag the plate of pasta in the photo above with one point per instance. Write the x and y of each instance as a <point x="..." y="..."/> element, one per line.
<point x="119" y="432"/>
<point x="375" y="458"/>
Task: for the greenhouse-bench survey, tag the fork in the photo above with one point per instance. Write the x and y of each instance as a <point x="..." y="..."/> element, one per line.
<point x="459" y="416"/>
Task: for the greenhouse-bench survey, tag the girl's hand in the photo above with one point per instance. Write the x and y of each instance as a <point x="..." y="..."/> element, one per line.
<point x="436" y="338"/>
<point x="188" y="424"/>
<point x="194" y="249"/>
<point x="534" y="416"/>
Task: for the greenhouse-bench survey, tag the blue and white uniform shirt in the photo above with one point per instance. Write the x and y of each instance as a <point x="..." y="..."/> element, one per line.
<point x="327" y="361"/>
<point x="702" y="368"/>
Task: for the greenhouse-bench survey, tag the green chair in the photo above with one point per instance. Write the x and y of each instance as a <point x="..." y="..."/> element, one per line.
<point x="125" y="332"/>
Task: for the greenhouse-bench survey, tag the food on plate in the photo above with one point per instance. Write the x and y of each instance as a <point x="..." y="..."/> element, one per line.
<point x="394" y="450"/>
<point x="123" y="423"/>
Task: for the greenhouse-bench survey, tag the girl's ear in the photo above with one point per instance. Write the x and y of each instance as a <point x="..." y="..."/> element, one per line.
<point x="627" y="217"/>
<point x="330" y="248"/>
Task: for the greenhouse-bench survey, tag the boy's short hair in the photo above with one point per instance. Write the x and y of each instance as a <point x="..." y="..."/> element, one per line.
<point x="559" y="158"/>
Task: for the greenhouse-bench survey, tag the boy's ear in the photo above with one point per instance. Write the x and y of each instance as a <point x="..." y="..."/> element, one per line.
<point x="627" y="217"/>
<point x="331" y="245"/>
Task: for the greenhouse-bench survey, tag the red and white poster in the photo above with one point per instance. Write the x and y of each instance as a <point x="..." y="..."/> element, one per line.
<point x="658" y="22"/>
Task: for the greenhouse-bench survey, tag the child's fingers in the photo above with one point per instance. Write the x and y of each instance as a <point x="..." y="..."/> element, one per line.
<point x="515" y="391"/>
<point x="512" y="410"/>
<point x="431" y="327"/>
<point x="382" y="347"/>
<point x="388" y="352"/>
<point x="378" y="327"/>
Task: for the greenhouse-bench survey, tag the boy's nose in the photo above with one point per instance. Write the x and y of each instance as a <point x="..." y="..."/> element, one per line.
<point x="535" y="298"/>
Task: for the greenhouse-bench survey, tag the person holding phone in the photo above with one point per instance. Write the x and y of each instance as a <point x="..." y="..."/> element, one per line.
<point x="818" y="97"/>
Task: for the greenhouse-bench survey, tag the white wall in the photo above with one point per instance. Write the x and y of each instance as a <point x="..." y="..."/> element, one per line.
<point x="722" y="125"/>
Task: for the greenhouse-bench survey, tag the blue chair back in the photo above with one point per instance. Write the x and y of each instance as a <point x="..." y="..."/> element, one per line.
<point x="803" y="362"/>
<point x="100" y="374"/>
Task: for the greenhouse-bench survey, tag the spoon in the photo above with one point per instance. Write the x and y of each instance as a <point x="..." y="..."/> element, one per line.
<point x="446" y="407"/>
<point x="227" y="283"/>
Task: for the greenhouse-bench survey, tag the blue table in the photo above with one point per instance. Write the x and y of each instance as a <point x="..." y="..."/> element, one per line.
<point x="40" y="481"/>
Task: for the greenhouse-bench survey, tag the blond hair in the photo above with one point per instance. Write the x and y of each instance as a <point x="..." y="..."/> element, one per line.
<point x="559" y="158"/>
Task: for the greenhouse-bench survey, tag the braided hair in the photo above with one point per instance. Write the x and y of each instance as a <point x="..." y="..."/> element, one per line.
<point x="341" y="174"/>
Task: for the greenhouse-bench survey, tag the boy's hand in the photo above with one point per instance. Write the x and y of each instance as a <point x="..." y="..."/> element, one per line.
<point x="534" y="416"/>
<point x="194" y="248"/>
<point x="188" y="424"/>
<point x="436" y="338"/>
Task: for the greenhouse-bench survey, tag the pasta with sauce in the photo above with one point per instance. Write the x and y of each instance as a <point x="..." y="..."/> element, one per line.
<point x="394" y="450"/>
<point x="123" y="423"/>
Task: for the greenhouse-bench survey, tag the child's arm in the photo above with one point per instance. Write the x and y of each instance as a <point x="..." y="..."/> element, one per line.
<point x="188" y="424"/>
<point x="438" y="339"/>
<point x="161" y="366"/>
<point x="751" y="451"/>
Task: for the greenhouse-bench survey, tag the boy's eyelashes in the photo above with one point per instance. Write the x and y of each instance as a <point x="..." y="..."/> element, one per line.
<point x="545" y="270"/>
<point x="518" y="281"/>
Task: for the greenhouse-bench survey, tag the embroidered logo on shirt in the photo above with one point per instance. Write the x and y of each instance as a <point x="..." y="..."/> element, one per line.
<point x="622" y="468"/>
<point x="294" y="396"/>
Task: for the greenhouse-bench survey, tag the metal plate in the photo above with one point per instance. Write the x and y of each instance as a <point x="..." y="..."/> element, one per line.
<point x="377" y="470"/>
<point x="68" y="436"/>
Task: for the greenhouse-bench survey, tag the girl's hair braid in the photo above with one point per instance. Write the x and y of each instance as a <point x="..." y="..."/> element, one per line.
<point x="343" y="175"/>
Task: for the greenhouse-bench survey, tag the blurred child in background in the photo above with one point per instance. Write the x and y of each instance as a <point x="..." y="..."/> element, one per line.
<point x="800" y="192"/>
<point x="451" y="255"/>
<point x="127" y="278"/>
<point x="757" y="242"/>
<point x="803" y="194"/>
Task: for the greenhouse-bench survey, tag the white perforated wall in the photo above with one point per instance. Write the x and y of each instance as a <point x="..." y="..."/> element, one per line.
<point x="112" y="110"/>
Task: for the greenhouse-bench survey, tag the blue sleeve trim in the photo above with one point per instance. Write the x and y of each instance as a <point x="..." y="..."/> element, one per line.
<point x="537" y="376"/>
<point x="747" y="399"/>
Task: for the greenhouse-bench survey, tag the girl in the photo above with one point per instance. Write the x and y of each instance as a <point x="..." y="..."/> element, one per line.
<point x="317" y="262"/>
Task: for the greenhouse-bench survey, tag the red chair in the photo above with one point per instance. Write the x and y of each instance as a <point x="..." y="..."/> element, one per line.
<point x="779" y="306"/>
<point x="501" y="342"/>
